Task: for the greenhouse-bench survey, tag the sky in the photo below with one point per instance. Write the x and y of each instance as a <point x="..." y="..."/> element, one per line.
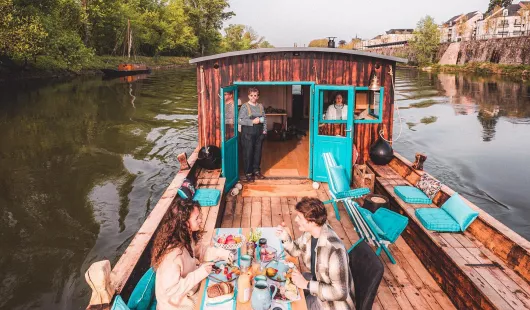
<point x="285" y="22"/>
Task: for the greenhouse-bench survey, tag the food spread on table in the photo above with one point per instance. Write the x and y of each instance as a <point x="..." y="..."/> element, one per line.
<point x="222" y="271"/>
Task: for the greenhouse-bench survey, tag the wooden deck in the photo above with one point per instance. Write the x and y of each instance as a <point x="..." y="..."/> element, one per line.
<point x="405" y="285"/>
<point x="286" y="158"/>
<point x="475" y="277"/>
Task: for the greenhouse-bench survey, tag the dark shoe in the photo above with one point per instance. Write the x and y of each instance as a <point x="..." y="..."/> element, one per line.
<point x="258" y="175"/>
<point x="250" y="178"/>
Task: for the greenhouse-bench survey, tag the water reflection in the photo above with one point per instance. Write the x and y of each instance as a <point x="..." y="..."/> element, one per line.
<point x="82" y="163"/>
<point x="478" y="142"/>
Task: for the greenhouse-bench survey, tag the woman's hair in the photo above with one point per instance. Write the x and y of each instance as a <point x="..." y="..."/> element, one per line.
<point x="253" y="90"/>
<point x="313" y="210"/>
<point x="336" y="95"/>
<point x="174" y="231"/>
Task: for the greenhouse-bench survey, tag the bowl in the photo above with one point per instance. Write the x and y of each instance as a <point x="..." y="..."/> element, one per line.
<point x="281" y="268"/>
<point x="230" y="246"/>
<point x="221" y="276"/>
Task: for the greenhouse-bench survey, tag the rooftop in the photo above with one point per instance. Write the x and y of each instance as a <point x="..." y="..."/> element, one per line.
<point x="297" y="49"/>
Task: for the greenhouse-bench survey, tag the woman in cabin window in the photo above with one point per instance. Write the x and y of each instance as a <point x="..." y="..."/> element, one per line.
<point x="338" y="110"/>
<point x="177" y="248"/>
<point x="253" y="132"/>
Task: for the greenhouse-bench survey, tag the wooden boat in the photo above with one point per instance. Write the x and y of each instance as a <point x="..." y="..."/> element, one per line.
<point x="486" y="267"/>
<point x="126" y="69"/>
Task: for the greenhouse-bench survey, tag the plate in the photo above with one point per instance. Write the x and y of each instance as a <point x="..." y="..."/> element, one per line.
<point x="221" y="276"/>
<point x="281" y="266"/>
<point x="272" y="254"/>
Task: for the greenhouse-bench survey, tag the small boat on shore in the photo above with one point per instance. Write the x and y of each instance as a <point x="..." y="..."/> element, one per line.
<point x="484" y="266"/>
<point x="126" y="69"/>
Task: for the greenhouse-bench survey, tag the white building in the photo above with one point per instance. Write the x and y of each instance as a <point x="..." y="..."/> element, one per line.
<point x="461" y="27"/>
<point x="391" y="36"/>
<point x="512" y="21"/>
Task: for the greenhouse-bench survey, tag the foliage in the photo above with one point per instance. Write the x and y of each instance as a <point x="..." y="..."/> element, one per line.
<point x="500" y="3"/>
<point x="426" y="40"/>
<point x="241" y="37"/>
<point x="461" y="27"/>
<point x="319" y="43"/>
<point x="70" y="32"/>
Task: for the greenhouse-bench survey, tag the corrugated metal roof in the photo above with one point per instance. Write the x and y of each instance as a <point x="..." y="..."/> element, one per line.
<point x="298" y="49"/>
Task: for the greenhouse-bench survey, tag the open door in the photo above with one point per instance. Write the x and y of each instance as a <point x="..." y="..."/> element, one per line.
<point x="333" y="132"/>
<point x="229" y="133"/>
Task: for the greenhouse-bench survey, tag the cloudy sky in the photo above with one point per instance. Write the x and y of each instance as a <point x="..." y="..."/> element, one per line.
<point x="284" y="22"/>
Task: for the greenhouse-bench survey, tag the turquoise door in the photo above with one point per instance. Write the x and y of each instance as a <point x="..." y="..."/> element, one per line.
<point x="229" y="135"/>
<point x="333" y="132"/>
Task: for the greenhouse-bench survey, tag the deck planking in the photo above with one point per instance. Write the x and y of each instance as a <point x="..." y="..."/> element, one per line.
<point x="405" y="285"/>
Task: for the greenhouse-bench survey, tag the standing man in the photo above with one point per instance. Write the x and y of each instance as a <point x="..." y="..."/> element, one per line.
<point x="330" y="283"/>
<point x="229" y="115"/>
<point x="253" y="131"/>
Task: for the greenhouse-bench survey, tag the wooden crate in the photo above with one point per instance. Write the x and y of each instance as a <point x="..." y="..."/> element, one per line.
<point x="363" y="177"/>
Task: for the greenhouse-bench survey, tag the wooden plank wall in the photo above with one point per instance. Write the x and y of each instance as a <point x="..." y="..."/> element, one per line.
<point x="322" y="68"/>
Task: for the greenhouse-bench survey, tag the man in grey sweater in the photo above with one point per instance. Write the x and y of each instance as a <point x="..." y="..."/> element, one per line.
<point x="253" y="132"/>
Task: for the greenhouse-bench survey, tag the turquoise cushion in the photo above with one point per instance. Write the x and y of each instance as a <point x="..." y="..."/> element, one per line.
<point x="412" y="195"/>
<point x="119" y="304"/>
<point x="207" y="197"/>
<point x="353" y="193"/>
<point x="392" y="223"/>
<point x="367" y="216"/>
<point x="341" y="182"/>
<point x="144" y="292"/>
<point x="437" y="219"/>
<point x="460" y="211"/>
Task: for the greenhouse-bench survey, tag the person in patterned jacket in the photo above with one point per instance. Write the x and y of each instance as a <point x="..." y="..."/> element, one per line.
<point x="330" y="283"/>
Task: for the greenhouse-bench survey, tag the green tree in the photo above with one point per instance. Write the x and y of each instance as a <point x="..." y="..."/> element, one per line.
<point x="22" y="37"/>
<point x="426" y="40"/>
<point x="206" y="19"/>
<point x="240" y="37"/>
<point x="501" y="3"/>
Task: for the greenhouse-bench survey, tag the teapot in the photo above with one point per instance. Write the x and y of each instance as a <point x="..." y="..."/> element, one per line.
<point x="262" y="295"/>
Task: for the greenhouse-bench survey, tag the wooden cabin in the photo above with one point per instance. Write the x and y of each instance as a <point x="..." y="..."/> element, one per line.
<point x="486" y="267"/>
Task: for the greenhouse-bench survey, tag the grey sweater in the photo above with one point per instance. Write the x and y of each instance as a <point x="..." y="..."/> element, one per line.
<point x="255" y="110"/>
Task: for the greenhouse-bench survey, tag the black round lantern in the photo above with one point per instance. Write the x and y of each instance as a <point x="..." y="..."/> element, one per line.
<point x="381" y="152"/>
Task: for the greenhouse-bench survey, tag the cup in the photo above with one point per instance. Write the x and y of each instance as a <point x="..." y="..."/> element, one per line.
<point x="259" y="278"/>
<point x="262" y="119"/>
<point x="245" y="261"/>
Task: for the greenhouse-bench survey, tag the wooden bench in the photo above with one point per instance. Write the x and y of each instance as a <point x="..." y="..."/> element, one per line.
<point x="472" y="276"/>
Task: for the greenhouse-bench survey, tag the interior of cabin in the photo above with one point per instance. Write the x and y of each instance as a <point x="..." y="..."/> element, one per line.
<point x="288" y="109"/>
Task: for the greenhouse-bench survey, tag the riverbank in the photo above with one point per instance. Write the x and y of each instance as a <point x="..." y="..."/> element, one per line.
<point x="47" y="67"/>
<point x="484" y="68"/>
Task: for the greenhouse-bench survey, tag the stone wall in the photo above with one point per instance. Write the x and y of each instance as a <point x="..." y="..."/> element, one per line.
<point x="509" y="51"/>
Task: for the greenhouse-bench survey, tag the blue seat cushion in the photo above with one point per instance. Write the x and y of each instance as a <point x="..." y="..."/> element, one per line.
<point x="437" y="219"/>
<point x="207" y="197"/>
<point x="459" y="211"/>
<point x="339" y="179"/>
<point x="392" y="223"/>
<point x="412" y="195"/>
<point x="143" y="294"/>
<point x="367" y="216"/>
<point x="119" y="304"/>
<point x="353" y="193"/>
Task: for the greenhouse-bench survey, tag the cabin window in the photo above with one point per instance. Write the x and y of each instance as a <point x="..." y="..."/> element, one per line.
<point x="229" y="115"/>
<point x="334" y="106"/>
<point x="368" y="105"/>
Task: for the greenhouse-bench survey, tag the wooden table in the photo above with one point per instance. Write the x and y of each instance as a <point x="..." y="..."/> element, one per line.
<point x="267" y="232"/>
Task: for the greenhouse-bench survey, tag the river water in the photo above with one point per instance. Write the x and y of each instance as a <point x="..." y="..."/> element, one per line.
<point x="84" y="161"/>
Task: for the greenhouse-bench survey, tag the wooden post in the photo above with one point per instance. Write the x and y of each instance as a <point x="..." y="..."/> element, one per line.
<point x="420" y="159"/>
<point x="98" y="278"/>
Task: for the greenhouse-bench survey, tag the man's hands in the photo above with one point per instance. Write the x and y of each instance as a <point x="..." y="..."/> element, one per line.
<point x="255" y="121"/>
<point x="282" y="232"/>
<point x="299" y="280"/>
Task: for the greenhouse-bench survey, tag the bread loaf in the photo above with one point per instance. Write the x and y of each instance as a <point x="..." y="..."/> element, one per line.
<point x="220" y="289"/>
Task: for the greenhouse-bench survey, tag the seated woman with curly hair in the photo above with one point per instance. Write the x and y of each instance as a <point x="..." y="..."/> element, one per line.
<point x="176" y="252"/>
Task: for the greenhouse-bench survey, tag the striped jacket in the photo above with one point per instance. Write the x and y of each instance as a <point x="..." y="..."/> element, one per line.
<point x="334" y="285"/>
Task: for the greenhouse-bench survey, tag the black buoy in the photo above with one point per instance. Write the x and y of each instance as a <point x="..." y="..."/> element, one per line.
<point x="209" y="157"/>
<point x="381" y="152"/>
